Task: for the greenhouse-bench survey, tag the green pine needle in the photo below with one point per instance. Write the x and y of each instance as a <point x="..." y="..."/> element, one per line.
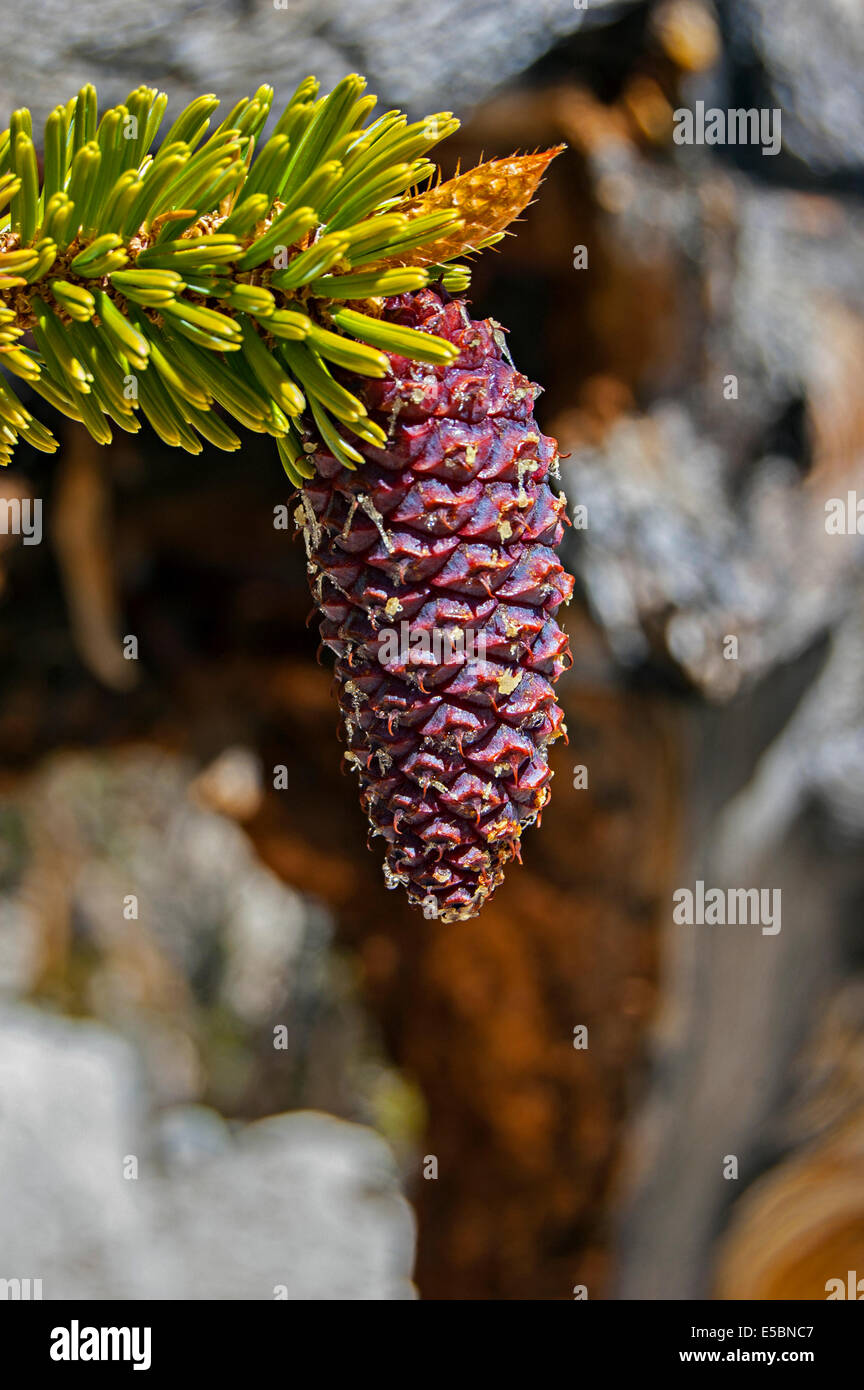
<point x="215" y="268"/>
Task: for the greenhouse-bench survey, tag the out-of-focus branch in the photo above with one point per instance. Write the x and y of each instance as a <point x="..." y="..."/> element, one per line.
<point x="81" y="532"/>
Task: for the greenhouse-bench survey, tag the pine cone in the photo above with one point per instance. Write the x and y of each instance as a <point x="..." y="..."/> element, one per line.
<point x="435" y="572"/>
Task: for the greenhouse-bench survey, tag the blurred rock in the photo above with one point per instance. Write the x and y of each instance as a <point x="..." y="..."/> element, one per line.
<point x="129" y="900"/>
<point x="706" y="511"/>
<point x="312" y="1210"/>
<point x="817" y="760"/>
<point x="233" y="47"/>
<point x="806" y="59"/>
<point x="69" y="1102"/>
<point x="298" y="1206"/>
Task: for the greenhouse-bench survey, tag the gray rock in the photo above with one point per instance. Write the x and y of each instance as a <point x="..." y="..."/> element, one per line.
<point x="69" y="1114"/>
<point x="100" y="1202"/>
<point x="155" y="916"/>
<point x="703" y="521"/>
<point x="300" y="1206"/>
<point x="809" y="59"/>
<point x="422" y="56"/>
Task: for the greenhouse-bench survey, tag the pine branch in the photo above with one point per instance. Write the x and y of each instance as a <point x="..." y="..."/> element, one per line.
<point x="223" y="269"/>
